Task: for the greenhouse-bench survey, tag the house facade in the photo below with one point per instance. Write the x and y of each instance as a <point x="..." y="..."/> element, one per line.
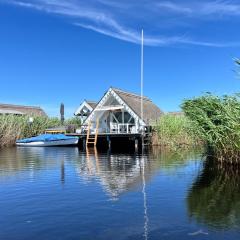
<point x="119" y="112"/>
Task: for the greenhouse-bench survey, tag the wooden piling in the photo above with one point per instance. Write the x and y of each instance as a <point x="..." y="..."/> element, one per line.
<point x="136" y="144"/>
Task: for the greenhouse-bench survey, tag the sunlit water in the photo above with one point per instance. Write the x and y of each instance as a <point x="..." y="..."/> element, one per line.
<point x="64" y="193"/>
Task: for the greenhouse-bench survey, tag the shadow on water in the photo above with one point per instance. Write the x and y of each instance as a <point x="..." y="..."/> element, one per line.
<point x="214" y="199"/>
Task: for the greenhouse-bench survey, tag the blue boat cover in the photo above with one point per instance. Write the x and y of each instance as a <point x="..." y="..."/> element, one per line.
<point x="45" y="138"/>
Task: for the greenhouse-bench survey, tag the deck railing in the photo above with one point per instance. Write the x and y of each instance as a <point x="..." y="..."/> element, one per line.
<point x="117" y="128"/>
<point x="122" y="128"/>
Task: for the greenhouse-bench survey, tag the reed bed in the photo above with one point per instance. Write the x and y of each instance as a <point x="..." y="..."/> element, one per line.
<point x="15" y="127"/>
<point x="173" y="132"/>
<point x="216" y="120"/>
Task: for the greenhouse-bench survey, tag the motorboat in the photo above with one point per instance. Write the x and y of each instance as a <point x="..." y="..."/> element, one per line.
<point x="48" y="140"/>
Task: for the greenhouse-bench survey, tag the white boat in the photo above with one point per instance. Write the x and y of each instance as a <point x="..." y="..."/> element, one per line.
<point x="48" y="140"/>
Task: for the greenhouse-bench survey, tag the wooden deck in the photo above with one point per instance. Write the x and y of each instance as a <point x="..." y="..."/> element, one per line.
<point x="115" y="140"/>
<point x="106" y="134"/>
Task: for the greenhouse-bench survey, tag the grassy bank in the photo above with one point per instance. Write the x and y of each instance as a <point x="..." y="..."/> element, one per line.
<point x="216" y="120"/>
<point x="15" y="127"/>
<point x="174" y="132"/>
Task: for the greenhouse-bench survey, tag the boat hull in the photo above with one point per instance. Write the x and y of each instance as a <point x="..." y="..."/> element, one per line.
<point x="65" y="142"/>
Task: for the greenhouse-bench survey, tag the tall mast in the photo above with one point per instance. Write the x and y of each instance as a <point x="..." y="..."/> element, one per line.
<point x="142" y="76"/>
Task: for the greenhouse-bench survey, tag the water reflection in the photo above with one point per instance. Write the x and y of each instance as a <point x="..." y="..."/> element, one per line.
<point x="18" y="160"/>
<point x="214" y="198"/>
<point x="146" y="219"/>
<point x="117" y="173"/>
<point x="119" y="195"/>
<point x="62" y="172"/>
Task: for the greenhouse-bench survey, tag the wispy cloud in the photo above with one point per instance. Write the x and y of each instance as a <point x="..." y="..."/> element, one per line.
<point x="221" y="8"/>
<point x="135" y="37"/>
<point x="112" y="18"/>
<point x="198" y="9"/>
<point x="173" y="7"/>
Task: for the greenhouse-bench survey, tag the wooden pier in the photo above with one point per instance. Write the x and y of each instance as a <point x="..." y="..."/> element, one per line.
<point x="114" y="140"/>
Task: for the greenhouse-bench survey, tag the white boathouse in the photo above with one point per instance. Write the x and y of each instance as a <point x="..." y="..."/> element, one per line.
<point x="119" y="112"/>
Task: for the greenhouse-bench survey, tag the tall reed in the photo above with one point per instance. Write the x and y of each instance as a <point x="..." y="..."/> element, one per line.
<point x="173" y="131"/>
<point x="15" y="127"/>
<point x="216" y="121"/>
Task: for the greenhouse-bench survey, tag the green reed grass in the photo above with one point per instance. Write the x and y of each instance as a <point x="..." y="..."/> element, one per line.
<point x="216" y="120"/>
<point x="173" y="132"/>
<point x="15" y="127"/>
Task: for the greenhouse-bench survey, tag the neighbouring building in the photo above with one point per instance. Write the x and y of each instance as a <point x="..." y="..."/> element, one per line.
<point x="85" y="109"/>
<point x="21" y="110"/>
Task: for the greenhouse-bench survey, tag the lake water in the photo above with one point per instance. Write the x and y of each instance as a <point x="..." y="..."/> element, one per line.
<point x="64" y="193"/>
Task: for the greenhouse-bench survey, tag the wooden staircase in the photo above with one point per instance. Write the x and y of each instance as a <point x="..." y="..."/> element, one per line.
<point x="92" y="140"/>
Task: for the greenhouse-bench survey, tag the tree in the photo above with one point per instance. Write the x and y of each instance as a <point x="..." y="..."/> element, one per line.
<point x="62" y="113"/>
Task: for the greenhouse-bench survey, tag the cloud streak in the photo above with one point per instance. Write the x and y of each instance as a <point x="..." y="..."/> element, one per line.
<point x="114" y="19"/>
<point x="173" y="7"/>
<point x="196" y="9"/>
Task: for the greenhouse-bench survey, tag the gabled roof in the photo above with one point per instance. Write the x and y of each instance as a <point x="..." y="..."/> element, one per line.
<point x="90" y="105"/>
<point x="21" y="110"/>
<point x="151" y="111"/>
<point x="93" y="104"/>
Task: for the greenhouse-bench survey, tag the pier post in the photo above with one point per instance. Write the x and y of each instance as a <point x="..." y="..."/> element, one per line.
<point x="136" y="144"/>
<point x="84" y="143"/>
<point x="109" y="142"/>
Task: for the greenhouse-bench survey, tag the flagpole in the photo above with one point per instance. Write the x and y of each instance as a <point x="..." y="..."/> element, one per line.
<point x="142" y="77"/>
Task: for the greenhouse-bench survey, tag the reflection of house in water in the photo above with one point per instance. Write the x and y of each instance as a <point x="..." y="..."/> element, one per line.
<point x="117" y="173"/>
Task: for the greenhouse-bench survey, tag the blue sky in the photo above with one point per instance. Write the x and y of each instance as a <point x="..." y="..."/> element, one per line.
<point x="54" y="51"/>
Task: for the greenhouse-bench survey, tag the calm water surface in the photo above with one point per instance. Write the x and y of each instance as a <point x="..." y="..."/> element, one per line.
<point x="64" y="193"/>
